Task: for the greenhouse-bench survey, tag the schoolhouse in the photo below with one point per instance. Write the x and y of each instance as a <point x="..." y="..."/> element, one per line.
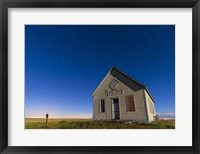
<point x="120" y="97"/>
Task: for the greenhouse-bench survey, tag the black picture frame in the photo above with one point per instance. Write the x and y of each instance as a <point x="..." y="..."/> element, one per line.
<point x="6" y="4"/>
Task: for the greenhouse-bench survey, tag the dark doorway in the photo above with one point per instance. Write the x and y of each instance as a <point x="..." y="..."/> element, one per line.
<point x="115" y="108"/>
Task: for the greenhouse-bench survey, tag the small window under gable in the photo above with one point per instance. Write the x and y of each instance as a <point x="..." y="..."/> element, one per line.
<point x="102" y="105"/>
<point x="113" y="84"/>
<point x="130" y="103"/>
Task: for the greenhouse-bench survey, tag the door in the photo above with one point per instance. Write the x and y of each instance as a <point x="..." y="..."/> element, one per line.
<point x="115" y="108"/>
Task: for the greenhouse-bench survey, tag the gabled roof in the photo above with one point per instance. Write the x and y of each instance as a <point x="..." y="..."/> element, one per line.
<point x="124" y="78"/>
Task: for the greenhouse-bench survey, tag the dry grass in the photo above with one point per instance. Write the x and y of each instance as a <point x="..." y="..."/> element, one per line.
<point x="36" y="123"/>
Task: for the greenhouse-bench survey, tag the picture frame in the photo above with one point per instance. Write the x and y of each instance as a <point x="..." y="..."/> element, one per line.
<point x="4" y="88"/>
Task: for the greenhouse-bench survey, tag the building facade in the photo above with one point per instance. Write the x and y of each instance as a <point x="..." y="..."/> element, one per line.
<point x="119" y="97"/>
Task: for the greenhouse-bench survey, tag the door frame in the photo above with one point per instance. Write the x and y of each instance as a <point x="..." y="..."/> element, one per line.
<point x="112" y="108"/>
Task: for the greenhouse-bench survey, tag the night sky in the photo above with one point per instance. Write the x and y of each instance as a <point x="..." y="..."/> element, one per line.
<point x="65" y="63"/>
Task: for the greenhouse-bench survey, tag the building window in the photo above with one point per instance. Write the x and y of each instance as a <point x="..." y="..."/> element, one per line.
<point x="130" y="103"/>
<point x="102" y="105"/>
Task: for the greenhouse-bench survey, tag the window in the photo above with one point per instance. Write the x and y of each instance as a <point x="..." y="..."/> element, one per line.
<point x="130" y="104"/>
<point x="102" y="105"/>
<point x="113" y="84"/>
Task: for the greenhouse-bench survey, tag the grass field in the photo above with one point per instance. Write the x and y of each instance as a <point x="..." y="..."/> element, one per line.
<point x="37" y="123"/>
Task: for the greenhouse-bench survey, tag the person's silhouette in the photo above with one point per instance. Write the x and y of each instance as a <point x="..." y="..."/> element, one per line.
<point x="47" y="116"/>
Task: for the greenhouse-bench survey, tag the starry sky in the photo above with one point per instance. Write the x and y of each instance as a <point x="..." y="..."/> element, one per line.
<point x="65" y="63"/>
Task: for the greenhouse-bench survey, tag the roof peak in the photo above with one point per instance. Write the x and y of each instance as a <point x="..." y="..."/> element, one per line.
<point x="113" y="70"/>
<point x="113" y="67"/>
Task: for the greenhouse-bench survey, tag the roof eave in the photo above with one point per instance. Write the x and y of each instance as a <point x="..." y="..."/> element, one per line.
<point x="102" y="81"/>
<point x="109" y="73"/>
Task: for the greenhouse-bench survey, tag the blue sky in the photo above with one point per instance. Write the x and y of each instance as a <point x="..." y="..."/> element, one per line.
<point x="65" y="63"/>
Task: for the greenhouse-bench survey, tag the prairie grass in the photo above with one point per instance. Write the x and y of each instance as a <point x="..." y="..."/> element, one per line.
<point x="37" y="123"/>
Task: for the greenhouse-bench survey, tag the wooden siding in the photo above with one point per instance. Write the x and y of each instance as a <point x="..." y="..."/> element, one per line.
<point x="140" y="111"/>
<point x="149" y="102"/>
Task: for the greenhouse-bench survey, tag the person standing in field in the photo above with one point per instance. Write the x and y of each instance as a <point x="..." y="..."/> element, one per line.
<point x="47" y="116"/>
